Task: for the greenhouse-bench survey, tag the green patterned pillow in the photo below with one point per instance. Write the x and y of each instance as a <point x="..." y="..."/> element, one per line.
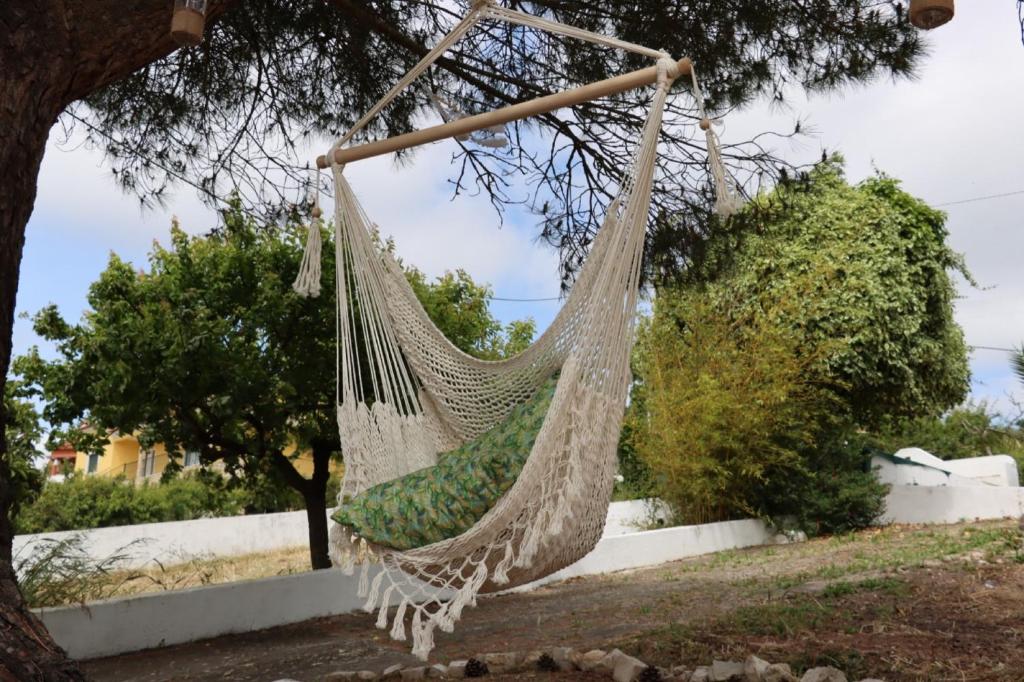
<point x="445" y="500"/>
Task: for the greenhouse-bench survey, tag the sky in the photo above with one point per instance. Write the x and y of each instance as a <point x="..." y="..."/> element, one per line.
<point x="950" y="135"/>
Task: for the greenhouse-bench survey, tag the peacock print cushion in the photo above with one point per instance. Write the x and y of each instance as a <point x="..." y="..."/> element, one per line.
<point x="445" y="500"/>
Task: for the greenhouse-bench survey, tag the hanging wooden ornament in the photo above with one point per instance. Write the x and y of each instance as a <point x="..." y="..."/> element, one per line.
<point x="188" y="22"/>
<point x="929" y="14"/>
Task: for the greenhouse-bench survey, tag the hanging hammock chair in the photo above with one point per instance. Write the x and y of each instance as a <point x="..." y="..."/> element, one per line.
<point x="462" y="475"/>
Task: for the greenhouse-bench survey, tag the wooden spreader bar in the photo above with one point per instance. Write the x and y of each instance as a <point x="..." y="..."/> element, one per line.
<point x="513" y="112"/>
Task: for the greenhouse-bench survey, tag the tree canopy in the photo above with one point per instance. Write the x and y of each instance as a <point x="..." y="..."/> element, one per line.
<point x="869" y="275"/>
<point x="271" y="78"/>
<point x="210" y="350"/>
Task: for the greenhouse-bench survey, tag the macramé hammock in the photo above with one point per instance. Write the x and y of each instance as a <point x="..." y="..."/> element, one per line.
<point x="406" y="393"/>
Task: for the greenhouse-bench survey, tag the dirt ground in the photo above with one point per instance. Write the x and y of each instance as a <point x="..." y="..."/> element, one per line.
<point x="903" y="603"/>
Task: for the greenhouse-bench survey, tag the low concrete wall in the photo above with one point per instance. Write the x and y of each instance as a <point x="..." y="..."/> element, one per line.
<point x="181" y="541"/>
<point x="653" y="547"/>
<point x="950" y="504"/>
<point x="118" y="626"/>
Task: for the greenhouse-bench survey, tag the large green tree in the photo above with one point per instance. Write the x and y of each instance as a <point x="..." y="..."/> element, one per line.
<point x="211" y="350"/>
<point x="824" y="310"/>
<point x="274" y="74"/>
<point x="866" y="273"/>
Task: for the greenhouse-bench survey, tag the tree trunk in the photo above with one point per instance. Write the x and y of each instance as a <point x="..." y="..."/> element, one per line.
<point x="316" y="517"/>
<point x="31" y="98"/>
<point x="314" y="495"/>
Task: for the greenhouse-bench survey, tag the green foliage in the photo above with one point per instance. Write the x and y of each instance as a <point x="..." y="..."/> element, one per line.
<point x="82" y="502"/>
<point x="726" y="410"/>
<point x="867" y="270"/>
<point x="824" y="311"/>
<point x="834" y="491"/>
<point x="23" y="431"/>
<point x="1018" y="363"/>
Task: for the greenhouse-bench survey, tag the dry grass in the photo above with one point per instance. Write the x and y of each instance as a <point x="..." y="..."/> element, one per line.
<point x="203" y="571"/>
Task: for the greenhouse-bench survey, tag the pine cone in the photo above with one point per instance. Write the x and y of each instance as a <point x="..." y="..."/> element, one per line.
<point x="475" y="668"/>
<point x="650" y="674"/>
<point x="547" y="664"/>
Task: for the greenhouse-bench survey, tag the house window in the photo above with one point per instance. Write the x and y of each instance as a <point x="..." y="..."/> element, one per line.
<point x="191" y="458"/>
<point x="94" y="461"/>
<point x="148" y="462"/>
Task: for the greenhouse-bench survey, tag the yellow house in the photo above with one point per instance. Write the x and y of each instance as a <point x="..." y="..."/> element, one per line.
<point x="124" y="456"/>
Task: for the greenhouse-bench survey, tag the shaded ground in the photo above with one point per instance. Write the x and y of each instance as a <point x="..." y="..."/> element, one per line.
<point x="900" y="604"/>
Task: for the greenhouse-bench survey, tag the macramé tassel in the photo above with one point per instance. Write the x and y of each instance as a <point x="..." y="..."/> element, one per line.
<point x="307" y="283"/>
<point x="364" y="580"/>
<point x="398" y="626"/>
<point x="374" y="593"/>
<point x="727" y="198"/>
<point x="500" y="576"/>
<point x="385" y="602"/>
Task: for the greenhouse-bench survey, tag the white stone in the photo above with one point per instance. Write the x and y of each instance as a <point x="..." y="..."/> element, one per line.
<point x="457" y="669"/>
<point x="754" y="668"/>
<point x="590" y="660"/>
<point x="681" y="673"/>
<point x="499" y="663"/>
<point x="824" y="674"/>
<point x="531" y="659"/>
<point x="608" y="663"/>
<point x="726" y="671"/>
<point x="627" y="669"/>
<point x="367" y="675"/>
<point x="701" y="674"/>
<point x="563" y="657"/>
<point x="438" y="670"/>
<point x="779" y="672"/>
<point x="392" y="672"/>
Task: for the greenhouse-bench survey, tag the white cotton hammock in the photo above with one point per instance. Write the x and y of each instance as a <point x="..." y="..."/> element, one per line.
<point x="429" y="397"/>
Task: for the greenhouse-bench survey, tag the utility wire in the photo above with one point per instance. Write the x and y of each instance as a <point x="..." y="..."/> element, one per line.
<point x="984" y="198"/>
<point x="526" y="300"/>
<point x="1005" y="350"/>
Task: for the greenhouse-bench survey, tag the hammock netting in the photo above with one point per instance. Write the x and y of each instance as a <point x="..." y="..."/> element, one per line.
<point x="406" y="394"/>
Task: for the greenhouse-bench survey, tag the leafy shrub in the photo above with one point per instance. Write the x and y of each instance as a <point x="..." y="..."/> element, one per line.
<point x="97" y="502"/>
<point x="732" y="419"/>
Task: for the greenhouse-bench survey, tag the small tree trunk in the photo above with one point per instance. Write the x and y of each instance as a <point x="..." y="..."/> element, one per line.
<point x="314" y="495"/>
<point x="316" y="517"/>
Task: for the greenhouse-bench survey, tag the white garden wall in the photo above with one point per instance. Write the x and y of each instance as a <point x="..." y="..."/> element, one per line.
<point x="950" y="504"/>
<point x="181" y="541"/>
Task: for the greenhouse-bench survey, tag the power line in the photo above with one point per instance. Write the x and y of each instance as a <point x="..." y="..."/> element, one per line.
<point x="1005" y="350"/>
<point x="525" y="300"/>
<point x="983" y="198"/>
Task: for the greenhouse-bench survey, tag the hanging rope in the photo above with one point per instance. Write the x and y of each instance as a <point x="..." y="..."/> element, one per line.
<point x="307" y="283"/>
<point x="727" y="198"/>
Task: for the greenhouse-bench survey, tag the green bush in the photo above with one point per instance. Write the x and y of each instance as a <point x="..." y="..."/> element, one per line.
<point x="731" y="419"/>
<point x="97" y="502"/>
